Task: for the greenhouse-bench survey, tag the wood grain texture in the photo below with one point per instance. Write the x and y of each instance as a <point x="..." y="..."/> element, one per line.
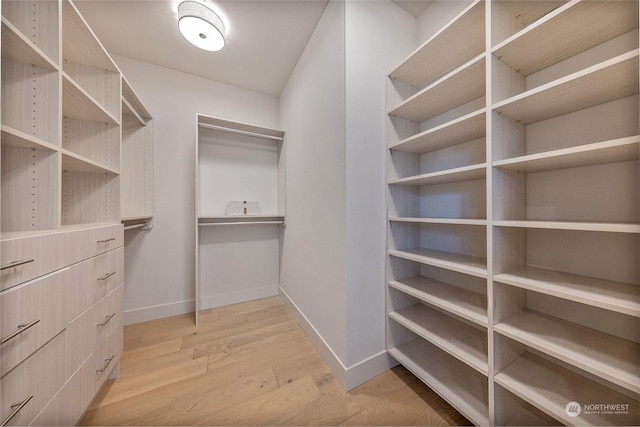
<point x="249" y="364"/>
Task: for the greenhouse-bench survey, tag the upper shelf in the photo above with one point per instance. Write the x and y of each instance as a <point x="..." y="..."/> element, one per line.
<point x="79" y="42"/>
<point x="77" y="103"/>
<point x="77" y="163"/>
<point x="612" y="79"/>
<point x="617" y="150"/>
<point x="457" y="42"/>
<point x="15" y="138"/>
<point x="17" y="47"/>
<point x="465" y="173"/>
<point x="472" y="265"/>
<point x="132" y="102"/>
<point x="456" y="88"/>
<point x="223" y="125"/>
<point x="573" y="28"/>
<point x="466" y="128"/>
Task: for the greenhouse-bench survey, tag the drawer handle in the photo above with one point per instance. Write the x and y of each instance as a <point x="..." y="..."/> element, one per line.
<point x="16" y="263"/>
<point x="18" y="407"/>
<point x="106" y="240"/>
<point x="21" y="329"/>
<point x="106" y="364"/>
<point x="106" y="319"/>
<point x="106" y="276"/>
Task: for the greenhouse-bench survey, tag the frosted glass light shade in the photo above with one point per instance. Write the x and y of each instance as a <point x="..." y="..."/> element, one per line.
<point x="200" y="26"/>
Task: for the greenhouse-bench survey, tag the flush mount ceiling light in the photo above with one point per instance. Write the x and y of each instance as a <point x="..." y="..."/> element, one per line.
<point x="200" y="26"/>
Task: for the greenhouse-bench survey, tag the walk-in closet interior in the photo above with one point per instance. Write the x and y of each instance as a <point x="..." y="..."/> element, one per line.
<point x="452" y="186"/>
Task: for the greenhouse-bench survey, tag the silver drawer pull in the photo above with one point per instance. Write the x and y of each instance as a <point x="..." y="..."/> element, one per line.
<point x="17" y="407"/>
<point x="16" y="263"/>
<point x="106" y="364"/>
<point x="106" y="276"/>
<point x="21" y="329"/>
<point x="106" y="319"/>
<point x="106" y="240"/>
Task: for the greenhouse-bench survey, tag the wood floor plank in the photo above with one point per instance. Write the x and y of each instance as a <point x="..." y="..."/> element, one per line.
<point x="249" y="364"/>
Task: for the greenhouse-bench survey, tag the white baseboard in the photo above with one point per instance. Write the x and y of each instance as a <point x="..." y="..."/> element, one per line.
<point x="173" y="309"/>
<point x="349" y="377"/>
<point x="236" y="297"/>
<point x="157" y="312"/>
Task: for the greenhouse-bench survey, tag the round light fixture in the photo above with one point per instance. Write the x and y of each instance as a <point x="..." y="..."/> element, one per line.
<point x="200" y="26"/>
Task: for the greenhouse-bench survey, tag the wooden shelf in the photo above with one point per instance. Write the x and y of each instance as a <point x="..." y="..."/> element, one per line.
<point x="617" y="150"/>
<point x="459" y="301"/>
<point x="15" y="138"/>
<point x="78" y="104"/>
<point x="80" y="44"/>
<point x="530" y="377"/>
<point x="133" y="101"/>
<point x="456" y="88"/>
<point x="615" y="296"/>
<point x="17" y="47"/>
<point x="464" y="342"/>
<point x="612" y="79"/>
<point x="76" y="163"/>
<point x="466" y="128"/>
<point x="452" y="221"/>
<point x="221" y="219"/>
<point x="457" y="42"/>
<point x="475" y="266"/>
<point x="465" y="173"/>
<point x="608" y="357"/>
<point x="135" y="218"/>
<point x="464" y="388"/>
<point x="567" y="31"/>
<point x="575" y="226"/>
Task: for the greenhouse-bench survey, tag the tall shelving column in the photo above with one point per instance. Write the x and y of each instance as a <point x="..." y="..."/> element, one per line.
<point x="136" y="180"/>
<point x="91" y="135"/>
<point x="237" y="256"/>
<point x="566" y="211"/>
<point x="437" y="259"/>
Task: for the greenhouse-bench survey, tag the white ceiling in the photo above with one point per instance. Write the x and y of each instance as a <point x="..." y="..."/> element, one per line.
<point x="264" y="40"/>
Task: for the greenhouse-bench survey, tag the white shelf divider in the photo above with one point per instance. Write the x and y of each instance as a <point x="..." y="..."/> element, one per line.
<point x="464" y="173"/>
<point x="17" y="47"/>
<point x="475" y="266"/>
<point x="615" y="296"/>
<point x="74" y="162"/>
<point x="451" y="221"/>
<point x="576" y="226"/>
<point x="16" y="138"/>
<point x="608" y="357"/>
<point x="463" y="303"/>
<point x="78" y="104"/>
<point x="464" y="342"/>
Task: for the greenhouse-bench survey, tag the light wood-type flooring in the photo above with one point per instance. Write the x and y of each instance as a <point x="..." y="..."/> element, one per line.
<point x="249" y="364"/>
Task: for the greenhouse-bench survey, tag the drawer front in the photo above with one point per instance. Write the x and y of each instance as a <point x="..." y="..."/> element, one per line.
<point x="26" y="258"/>
<point x="30" y="315"/>
<point x="33" y="383"/>
<point x="107" y="357"/>
<point x="93" y="278"/>
<point x="81" y="341"/>
<point x="108" y="313"/>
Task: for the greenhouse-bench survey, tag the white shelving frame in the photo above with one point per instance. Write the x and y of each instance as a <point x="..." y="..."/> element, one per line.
<point x="207" y="221"/>
<point x="513" y="143"/>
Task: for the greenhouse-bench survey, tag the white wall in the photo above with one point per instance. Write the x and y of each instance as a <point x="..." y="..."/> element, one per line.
<point x="159" y="277"/>
<point x="333" y="112"/>
<point x="312" y="112"/>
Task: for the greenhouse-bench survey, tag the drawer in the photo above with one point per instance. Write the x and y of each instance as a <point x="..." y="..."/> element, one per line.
<point x="70" y="404"/>
<point x="108" y="313"/>
<point x="32" y="384"/>
<point x="30" y="315"/>
<point x="107" y="357"/>
<point x="25" y="258"/>
<point x="91" y="328"/>
<point x="91" y="279"/>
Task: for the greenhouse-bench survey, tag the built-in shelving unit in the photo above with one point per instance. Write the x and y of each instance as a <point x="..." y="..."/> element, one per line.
<point x="514" y="211"/>
<point x="237" y="256"/>
<point x="61" y="238"/>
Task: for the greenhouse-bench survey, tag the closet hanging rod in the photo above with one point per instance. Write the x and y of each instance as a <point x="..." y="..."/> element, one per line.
<point x="240" y="223"/>
<point x="134" y="112"/>
<point x="241" y="132"/>
<point x="131" y="227"/>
